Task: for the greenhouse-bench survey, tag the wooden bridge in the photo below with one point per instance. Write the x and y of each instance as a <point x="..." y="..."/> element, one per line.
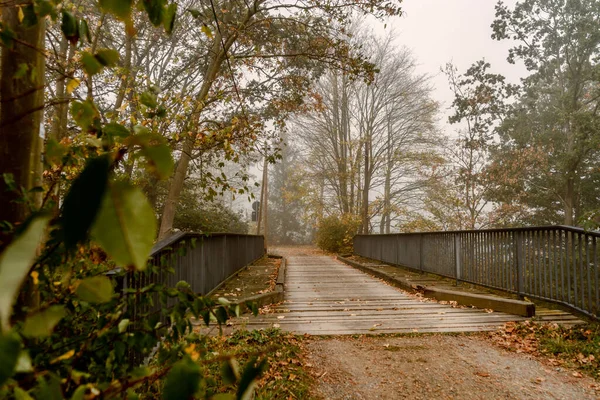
<point x="326" y="297"/>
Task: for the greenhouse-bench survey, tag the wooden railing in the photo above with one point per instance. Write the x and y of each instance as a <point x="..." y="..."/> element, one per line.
<point x="201" y="260"/>
<point x="554" y="263"/>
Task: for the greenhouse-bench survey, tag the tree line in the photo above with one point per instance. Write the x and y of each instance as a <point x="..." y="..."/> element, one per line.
<point x="512" y="154"/>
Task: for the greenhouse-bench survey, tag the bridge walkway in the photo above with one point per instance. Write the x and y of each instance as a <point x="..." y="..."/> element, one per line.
<point x="326" y="297"/>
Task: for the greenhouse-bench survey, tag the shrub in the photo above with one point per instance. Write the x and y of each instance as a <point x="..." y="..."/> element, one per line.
<point x="335" y="233"/>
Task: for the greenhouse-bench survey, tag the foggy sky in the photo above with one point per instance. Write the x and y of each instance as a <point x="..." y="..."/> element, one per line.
<point x="439" y="31"/>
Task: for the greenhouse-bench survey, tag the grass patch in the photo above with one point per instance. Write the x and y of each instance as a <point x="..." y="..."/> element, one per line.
<point x="219" y="357"/>
<point x="574" y="347"/>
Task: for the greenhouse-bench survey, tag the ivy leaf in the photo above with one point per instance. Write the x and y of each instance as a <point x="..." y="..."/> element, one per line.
<point x="15" y="263"/>
<point x="10" y="347"/>
<point x="126" y="225"/>
<point x="83" y="200"/>
<point x="97" y="289"/>
<point x="169" y="18"/>
<point x="182" y="381"/>
<point x="69" y="27"/>
<point x="41" y="324"/>
<point x="119" y="8"/>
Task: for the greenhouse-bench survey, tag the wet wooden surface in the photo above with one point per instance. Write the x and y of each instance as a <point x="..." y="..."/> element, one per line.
<point x="326" y="297"/>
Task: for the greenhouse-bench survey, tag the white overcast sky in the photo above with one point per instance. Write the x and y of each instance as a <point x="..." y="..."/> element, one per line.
<point x="439" y="31"/>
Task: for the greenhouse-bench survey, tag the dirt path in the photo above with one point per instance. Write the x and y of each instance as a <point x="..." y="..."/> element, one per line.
<point x="435" y="367"/>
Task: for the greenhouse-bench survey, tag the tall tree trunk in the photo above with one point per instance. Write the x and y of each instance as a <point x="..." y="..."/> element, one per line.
<point x="218" y="52"/>
<point x="367" y="185"/>
<point x="21" y="115"/>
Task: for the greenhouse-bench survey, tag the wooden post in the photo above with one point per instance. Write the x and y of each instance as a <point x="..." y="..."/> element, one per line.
<point x="520" y="262"/>
<point x="457" y="261"/>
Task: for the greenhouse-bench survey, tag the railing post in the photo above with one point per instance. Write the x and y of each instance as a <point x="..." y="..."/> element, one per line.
<point x="520" y="262"/>
<point x="421" y="252"/>
<point x="457" y="261"/>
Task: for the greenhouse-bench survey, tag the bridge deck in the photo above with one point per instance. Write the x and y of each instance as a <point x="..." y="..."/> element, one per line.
<point x="326" y="297"/>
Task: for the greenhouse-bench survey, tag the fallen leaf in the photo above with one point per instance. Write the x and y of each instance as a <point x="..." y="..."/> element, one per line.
<point x="483" y="374"/>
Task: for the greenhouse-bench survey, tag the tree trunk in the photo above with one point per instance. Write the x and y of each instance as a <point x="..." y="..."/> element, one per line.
<point x="569" y="201"/>
<point x="367" y="185"/>
<point x="21" y="115"/>
<point x="176" y="184"/>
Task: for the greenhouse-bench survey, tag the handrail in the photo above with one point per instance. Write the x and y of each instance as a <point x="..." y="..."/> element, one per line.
<point x="516" y="229"/>
<point x="176" y="237"/>
<point x="554" y="263"/>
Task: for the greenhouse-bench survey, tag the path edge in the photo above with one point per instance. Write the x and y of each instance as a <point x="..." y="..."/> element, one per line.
<point x="509" y="306"/>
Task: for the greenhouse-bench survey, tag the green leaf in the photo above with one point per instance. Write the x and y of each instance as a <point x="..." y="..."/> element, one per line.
<point x="49" y="388"/>
<point x="169" y="17"/>
<point x="30" y="17"/>
<point x="23" y="363"/>
<point x="114" y="130"/>
<point x="84" y="113"/>
<point x="160" y="159"/>
<point x="20" y="394"/>
<point x="79" y="393"/>
<point x="223" y="301"/>
<point x="10" y="347"/>
<point x="42" y="323"/>
<point x="119" y="8"/>
<point x="7" y="36"/>
<point x="84" y="30"/>
<point x="15" y="263"/>
<point x="83" y="200"/>
<point x="229" y="372"/>
<point x="182" y="381"/>
<point x="155" y="10"/>
<point x="44" y="8"/>
<point x="97" y="289"/>
<point x="148" y="99"/>
<point x="123" y="324"/>
<point x="126" y="225"/>
<point x="21" y="71"/>
<point x="221" y="314"/>
<point x="223" y="396"/>
<point x="69" y="28"/>
<point x="107" y="57"/>
<point x="195" y="13"/>
<point x="252" y="371"/>
<point x="91" y="65"/>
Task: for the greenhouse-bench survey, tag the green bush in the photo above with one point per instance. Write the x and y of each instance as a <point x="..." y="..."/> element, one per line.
<point x="335" y="233"/>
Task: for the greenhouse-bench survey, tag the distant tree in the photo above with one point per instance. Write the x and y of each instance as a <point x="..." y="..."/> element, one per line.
<point x="480" y="103"/>
<point x="287" y="191"/>
<point x="555" y="124"/>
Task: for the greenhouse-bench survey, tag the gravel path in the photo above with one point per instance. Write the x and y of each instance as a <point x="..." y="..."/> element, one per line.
<point x="436" y="367"/>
